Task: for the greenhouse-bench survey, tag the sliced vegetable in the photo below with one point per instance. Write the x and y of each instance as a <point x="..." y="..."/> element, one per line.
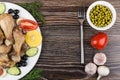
<point x="33" y="38"/>
<point x="2" y="72"/>
<point x="28" y="25"/>
<point x="99" y="41"/>
<point x="18" y="20"/>
<point x="31" y="52"/>
<point x="2" y="7"/>
<point x="14" y="71"/>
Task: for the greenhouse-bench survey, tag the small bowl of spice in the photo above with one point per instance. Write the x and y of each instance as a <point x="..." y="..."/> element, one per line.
<point x="101" y="15"/>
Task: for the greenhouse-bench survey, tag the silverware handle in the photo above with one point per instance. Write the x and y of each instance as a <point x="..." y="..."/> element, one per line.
<point x="82" y="46"/>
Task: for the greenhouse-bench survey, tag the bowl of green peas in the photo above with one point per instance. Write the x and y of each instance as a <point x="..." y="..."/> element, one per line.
<point x="101" y="15"/>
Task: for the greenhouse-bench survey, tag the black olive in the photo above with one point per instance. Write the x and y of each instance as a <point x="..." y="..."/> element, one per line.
<point x="24" y="64"/>
<point x="25" y="57"/>
<point x="22" y="61"/>
<point x="15" y="16"/>
<point x="10" y="11"/>
<point x="18" y="64"/>
<point x="16" y="11"/>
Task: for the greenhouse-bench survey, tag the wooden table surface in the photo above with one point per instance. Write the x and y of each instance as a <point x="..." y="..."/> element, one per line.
<point x="60" y="56"/>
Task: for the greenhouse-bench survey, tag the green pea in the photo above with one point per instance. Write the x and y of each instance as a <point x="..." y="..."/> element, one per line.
<point x="100" y="15"/>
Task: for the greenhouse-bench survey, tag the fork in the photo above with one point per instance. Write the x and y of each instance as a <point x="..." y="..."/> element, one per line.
<point x="81" y="19"/>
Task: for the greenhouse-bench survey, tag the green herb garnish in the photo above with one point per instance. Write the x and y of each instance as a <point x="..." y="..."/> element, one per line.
<point x="33" y="8"/>
<point x="34" y="74"/>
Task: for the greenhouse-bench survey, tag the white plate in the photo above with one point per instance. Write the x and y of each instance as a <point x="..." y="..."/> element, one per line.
<point x="32" y="60"/>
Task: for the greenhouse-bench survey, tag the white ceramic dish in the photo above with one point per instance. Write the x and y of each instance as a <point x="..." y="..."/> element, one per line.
<point x="32" y="60"/>
<point x="104" y="3"/>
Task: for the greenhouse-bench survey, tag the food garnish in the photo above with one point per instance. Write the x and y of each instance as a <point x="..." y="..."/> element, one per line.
<point x="2" y="72"/>
<point x="33" y="8"/>
<point x="33" y="38"/>
<point x="99" y="41"/>
<point x="100" y="16"/>
<point x="27" y="24"/>
<point x="2" y="7"/>
<point x="99" y="59"/>
<point x="14" y="71"/>
<point x="90" y="68"/>
<point x="10" y="11"/>
<point x="23" y="61"/>
<point x="34" y="74"/>
<point x="102" y="71"/>
<point x="18" y="21"/>
<point x="14" y="13"/>
<point x="32" y="51"/>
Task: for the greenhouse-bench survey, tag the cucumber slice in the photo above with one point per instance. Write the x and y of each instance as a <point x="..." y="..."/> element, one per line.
<point x="14" y="71"/>
<point x="31" y="52"/>
<point x="2" y="7"/>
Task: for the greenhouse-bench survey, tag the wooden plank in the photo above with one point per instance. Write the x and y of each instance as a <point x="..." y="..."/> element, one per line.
<point x="60" y="56"/>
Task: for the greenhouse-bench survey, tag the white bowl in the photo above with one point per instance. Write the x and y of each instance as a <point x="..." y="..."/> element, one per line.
<point x="104" y="3"/>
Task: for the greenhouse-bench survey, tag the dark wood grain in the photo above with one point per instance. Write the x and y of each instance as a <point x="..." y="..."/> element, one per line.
<point x="60" y="56"/>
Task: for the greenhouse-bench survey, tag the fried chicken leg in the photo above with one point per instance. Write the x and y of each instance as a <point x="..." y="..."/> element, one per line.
<point x="7" y="25"/>
<point x="19" y="40"/>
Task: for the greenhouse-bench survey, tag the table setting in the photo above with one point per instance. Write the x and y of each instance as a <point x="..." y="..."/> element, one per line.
<point x="59" y="40"/>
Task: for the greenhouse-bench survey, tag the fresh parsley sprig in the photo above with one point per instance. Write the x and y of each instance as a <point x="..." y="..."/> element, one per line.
<point x="34" y="74"/>
<point x="33" y="8"/>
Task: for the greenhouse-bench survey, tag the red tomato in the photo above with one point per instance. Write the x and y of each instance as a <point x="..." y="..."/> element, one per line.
<point x="28" y="25"/>
<point x="99" y="41"/>
<point x="1" y="71"/>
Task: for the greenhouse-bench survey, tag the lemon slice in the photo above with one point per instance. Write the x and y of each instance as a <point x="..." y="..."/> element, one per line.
<point x="33" y="38"/>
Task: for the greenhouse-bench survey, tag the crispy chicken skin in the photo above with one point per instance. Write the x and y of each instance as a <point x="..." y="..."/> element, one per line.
<point x="4" y="49"/>
<point x="23" y="49"/>
<point x="2" y="37"/>
<point x="4" y="58"/>
<point x="7" y="64"/>
<point x="7" y="25"/>
<point x="5" y="61"/>
<point x="19" y="40"/>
